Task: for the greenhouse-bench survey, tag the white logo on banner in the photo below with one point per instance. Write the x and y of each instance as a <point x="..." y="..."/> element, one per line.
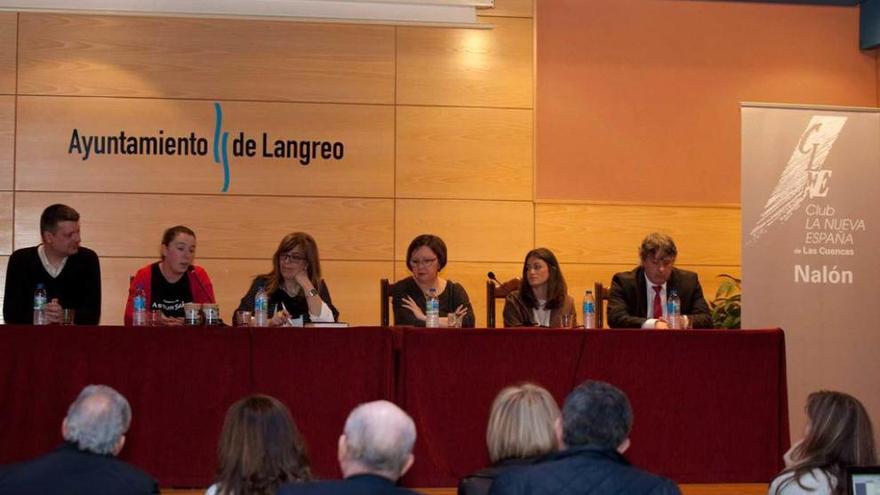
<point x="803" y="176"/>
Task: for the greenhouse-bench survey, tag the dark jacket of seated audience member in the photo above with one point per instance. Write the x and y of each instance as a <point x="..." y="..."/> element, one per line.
<point x="586" y="470"/>
<point x="71" y="471"/>
<point x="628" y="303"/>
<point x="481" y="481"/>
<point x="361" y="484"/>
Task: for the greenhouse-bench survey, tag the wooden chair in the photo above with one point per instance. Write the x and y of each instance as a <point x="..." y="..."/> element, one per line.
<point x="493" y="292"/>
<point x="601" y="294"/>
<point x="385" y="288"/>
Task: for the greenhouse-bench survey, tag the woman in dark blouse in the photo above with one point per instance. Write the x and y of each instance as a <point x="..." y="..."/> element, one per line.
<point x="294" y="286"/>
<point x="425" y="257"/>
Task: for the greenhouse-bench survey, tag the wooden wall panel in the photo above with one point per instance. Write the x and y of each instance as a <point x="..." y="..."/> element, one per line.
<point x="651" y="90"/>
<point x="46" y="125"/>
<point x="596" y="233"/>
<point x="8" y="46"/>
<point x="466" y="67"/>
<point x="354" y="287"/>
<point x="495" y="231"/>
<point x="509" y="8"/>
<point x="205" y="58"/>
<point x="226" y="226"/>
<point x="468" y="153"/>
<point x="6" y="218"/>
<point x="7" y="141"/>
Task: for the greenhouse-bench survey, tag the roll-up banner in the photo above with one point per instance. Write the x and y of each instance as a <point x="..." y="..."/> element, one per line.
<point x="811" y="245"/>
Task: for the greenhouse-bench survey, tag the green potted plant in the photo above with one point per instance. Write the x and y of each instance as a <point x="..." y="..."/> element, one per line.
<point x="727" y="305"/>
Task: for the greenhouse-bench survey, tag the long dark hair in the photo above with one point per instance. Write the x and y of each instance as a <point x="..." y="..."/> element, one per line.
<point x="840" y="435"/>
<point x="557" y="289"/>
<point x="307" y="243"/>
<point x="260" y="448"/>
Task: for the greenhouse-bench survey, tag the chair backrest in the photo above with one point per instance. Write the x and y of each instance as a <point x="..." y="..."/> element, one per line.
<point x="601" y="294"/>
<point x="385" y="288"/>
<point x="495" y="291"/>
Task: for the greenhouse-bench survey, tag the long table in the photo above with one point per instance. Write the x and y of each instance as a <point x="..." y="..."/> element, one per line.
<point x="710" y="406"/>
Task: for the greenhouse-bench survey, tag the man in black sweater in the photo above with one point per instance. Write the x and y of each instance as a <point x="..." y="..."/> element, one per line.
<point x="71" y="274"/>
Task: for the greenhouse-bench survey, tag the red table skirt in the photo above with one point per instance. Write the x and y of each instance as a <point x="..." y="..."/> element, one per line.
<point x="710" y="406"/>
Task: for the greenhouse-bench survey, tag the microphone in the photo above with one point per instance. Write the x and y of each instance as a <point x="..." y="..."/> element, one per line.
<point x="494" y="279"/>
<point x="191" y="271"/>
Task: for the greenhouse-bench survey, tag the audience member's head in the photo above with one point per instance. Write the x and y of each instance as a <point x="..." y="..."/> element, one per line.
<point x="597" y="413"/>
<point x="97" y="420"/>
<point x="521" y="423"/>
<point x="838" y="434"/>
<point x="260" y="448"/>
<point x="378" y="439"/>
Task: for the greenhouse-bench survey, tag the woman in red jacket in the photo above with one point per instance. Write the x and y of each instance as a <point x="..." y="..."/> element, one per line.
<point x="172" y="281"/>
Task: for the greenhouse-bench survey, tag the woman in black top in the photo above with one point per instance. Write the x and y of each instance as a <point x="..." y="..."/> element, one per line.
<point x="294" y="286"/>
<point x="425" y="257"/>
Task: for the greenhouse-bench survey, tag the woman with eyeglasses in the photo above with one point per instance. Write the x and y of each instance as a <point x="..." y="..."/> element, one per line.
<point x="542" y="298"/>
<point x="425" y="257"/>
<point x="172" y="281"/>
<point x="295" y="287"/>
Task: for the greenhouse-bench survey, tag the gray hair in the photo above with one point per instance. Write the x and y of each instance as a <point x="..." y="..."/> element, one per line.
<point x="97" y="419"/>
<point x="657" y="245"/>
<point x="380" y="436"/>
<point x="596" y="413"/>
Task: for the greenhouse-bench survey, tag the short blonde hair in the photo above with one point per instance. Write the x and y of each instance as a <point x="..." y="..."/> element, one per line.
<point x="521" y="423"/>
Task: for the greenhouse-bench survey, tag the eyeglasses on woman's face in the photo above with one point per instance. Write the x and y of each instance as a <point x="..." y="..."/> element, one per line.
<point x="293" y="258"/>
<point x="415" y="262"/>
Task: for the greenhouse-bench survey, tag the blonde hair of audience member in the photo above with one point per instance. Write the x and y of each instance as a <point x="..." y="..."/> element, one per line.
<point x="260" y="448"/>
<point x="838" y="434"/>
<point x="521" y="423"/>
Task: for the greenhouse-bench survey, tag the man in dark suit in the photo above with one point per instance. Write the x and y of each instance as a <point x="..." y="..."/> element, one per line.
<point x="94" y="433"/>
<point x="594" y="430"/>
<point x="638" y="297"/>
<point x="374" y="450"/>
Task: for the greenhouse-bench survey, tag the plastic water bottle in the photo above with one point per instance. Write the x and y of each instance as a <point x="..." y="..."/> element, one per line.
<point x="261" y="308"/>
<point x="139" y="317"/>
<point x="432" y="309"/>
<point x="40" y="300"/>
<point x="673" y="310"/>
<point x="589" y="310"/>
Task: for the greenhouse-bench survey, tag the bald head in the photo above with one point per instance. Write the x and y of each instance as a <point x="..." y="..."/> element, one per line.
<point x="378" y="439"/>
<point x="97" y="420"/>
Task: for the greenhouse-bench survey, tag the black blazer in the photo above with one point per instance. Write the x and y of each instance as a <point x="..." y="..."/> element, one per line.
<point x="70" y="471"/>
<point x="362" y="484"/>
<point x="628" y="304"/>
<point x="579" y="471"/>
<point x="479" y="482"/>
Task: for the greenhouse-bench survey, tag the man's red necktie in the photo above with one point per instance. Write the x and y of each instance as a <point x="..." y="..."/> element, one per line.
<point x="658" y="306"/>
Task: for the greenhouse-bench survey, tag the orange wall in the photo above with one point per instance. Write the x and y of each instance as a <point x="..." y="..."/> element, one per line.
<point x="638" y="100"/>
